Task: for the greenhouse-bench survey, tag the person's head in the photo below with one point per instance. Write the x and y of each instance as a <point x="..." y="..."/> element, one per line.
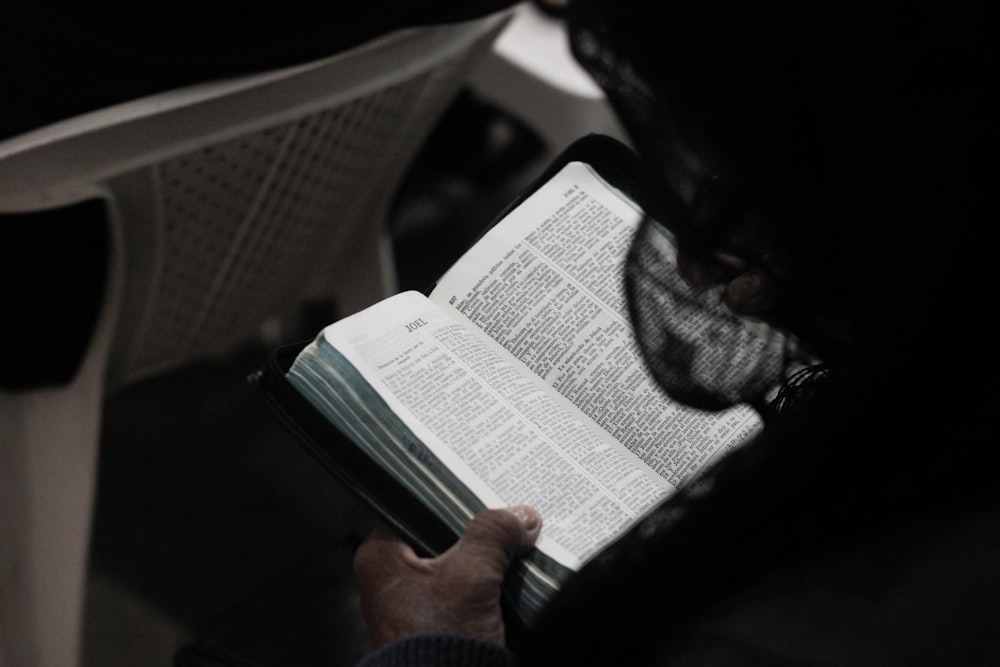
<point x="836" y="149"/>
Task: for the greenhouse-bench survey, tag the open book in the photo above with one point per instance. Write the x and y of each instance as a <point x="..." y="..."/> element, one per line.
<point x="515" y="380"/>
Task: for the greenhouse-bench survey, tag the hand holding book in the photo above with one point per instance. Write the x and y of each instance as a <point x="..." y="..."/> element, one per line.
<point x="457" y="592"/>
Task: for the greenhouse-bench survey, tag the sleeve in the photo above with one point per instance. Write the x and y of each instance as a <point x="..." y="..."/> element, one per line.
<point x="440" y="651"/>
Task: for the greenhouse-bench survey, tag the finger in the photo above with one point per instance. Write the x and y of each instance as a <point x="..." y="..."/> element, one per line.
<point x="495" y="537"/>
<point x="697" y="271"/>
<point x="531" y="523"/>
<point x="703" y="270"/>
<point x="751" y="293"/>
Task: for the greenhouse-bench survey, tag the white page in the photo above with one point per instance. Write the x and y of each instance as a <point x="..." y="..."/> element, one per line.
<point x="508" y="434"/>
<point x="547" y="284"/>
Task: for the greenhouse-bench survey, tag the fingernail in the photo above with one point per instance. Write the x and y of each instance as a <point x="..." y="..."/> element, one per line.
<point x="528" y="517"/>
<point x="742" y="291"/>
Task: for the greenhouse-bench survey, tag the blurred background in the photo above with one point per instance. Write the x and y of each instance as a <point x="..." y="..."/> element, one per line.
<point x="211" y="510"/>
<point x="217" y="532"/>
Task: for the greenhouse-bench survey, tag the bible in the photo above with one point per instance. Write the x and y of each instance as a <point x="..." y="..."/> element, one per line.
<point x="515" y="379"/>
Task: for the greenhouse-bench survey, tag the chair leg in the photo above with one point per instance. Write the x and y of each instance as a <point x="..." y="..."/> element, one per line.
<point x="48" y="469"/>
<point x="49" y="444"/>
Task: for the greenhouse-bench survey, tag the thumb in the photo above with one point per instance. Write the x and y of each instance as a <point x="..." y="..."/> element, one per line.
<point x="495" y="537"/>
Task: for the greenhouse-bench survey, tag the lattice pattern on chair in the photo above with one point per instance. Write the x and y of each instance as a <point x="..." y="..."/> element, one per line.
<point x="246" y="223"/>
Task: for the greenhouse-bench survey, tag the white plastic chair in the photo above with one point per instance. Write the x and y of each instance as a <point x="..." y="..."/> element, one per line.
<point x="230" y="203"/>
<point x="531" y="73"/>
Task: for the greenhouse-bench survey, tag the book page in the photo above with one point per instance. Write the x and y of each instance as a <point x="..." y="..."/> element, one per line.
<point x="493" y="425"/>
<point x="546" y="283"/>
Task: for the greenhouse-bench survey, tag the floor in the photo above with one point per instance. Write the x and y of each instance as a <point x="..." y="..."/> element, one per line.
<point x="217" y="532"/>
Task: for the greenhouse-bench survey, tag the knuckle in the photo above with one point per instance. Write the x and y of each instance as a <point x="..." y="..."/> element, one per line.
<point x="368" y="559"/>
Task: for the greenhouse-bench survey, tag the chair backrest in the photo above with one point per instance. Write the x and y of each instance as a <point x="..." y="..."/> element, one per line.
<point x="228" y="204"/>
<point x="232" y="201"/>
